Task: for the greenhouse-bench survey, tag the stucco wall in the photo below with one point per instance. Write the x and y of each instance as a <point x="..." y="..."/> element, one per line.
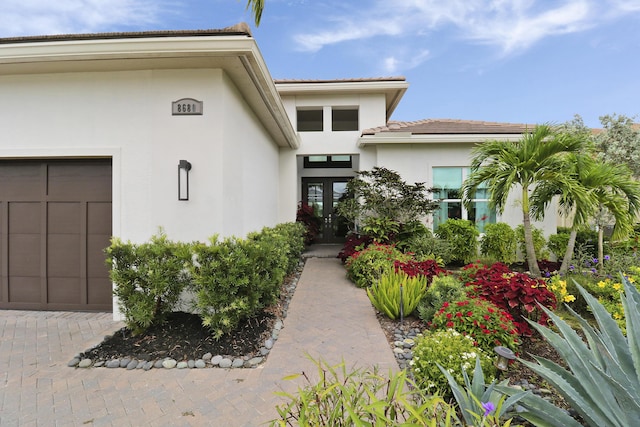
<point x="127" y="116"/>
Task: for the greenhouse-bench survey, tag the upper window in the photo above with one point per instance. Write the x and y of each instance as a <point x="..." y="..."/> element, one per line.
<point x="447" y="182"/>
<point x="339" y="161"/>
<point x="344" y="119"/>
<point x="310" y="120"/>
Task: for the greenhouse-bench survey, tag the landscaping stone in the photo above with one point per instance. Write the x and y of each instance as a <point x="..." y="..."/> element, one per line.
<point x="114" y="363"/>
<point x="73" y="362"/>
<point x="215" y="361"/>
<point x="207" y="357"/>
<point x="158" y="364"/>
<point x="124" y="362"/>
<point x="225" y="363"/>
<point x="169" y="363"/>
<point x="191" y="363"/>
<point x="268" y="344"/>
<point x="148" y="365"/>
<point x="182" y="365"/>
<point x="99" y="364"/>
<point x="200" y="363"/>
<point x="237" y="363"/>
<point x="84" y="363"/>
<point x="133" y="364"/>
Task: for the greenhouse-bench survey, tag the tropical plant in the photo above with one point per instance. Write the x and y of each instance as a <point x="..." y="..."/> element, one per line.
<point x="256" y="6"/>
<point x="499" y="242"/>
<point x="538" y="239"/>
<point x="429" y="268"/>
<point x="429" y="245"/>
<point x="381" y="193"/>
<point x="463" y="237"/>
<point x="619" y="143"/>
<point x="478" y="402"/>
<point x="480" y="320"/>
<point x="501" y="166"/>
<point x="516" y="293"/>
<point x="449" y="349"/>
<point x="361" y="397"/>
<point x="366" y="267"/>
<point x="354" y="243"/>
<point x="397" y="294"/>
<point x="602" y="382"/>
<point x="599" y="189"/>
<point x="443" y="288"/>
<point x="306" y="215"/>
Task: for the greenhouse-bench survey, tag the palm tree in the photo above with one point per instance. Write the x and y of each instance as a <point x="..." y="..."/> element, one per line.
<point x="597" y="188"/>
<point x="256" y="6"/>
<point x="538" y="157"/>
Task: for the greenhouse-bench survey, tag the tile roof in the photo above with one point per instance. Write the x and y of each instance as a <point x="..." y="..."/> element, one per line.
<point x="449" y="126"/>
<point x="238" y="29"/>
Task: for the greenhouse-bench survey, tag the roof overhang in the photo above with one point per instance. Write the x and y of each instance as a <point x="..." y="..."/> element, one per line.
<point x="397" y="138"/>
<point x="392" y="88"/>
<point x="236" y="54"/>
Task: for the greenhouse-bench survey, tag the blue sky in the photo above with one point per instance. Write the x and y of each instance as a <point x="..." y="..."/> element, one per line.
<point x="521" y="61"/>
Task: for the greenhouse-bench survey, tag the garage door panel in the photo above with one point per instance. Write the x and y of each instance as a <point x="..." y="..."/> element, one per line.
<point x="63" y="255"/>
<point x="96" y="259"/>
<point x="63" y="218"/>
<point x="24" y="218"/>
<point x="89" y="181"/>
<point x="99" y="291"/>
<point x="21" y="180"/>
<point x="24" y="255"/>
<point x="64" y="290"/>
<point x="99" y="218"/>
<point x="25" y="289"/>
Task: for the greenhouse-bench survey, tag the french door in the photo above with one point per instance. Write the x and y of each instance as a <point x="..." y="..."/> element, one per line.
<point x="323" y="194"/>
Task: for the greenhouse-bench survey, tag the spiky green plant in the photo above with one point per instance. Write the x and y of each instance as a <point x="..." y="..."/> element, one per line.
<point x="603" y="380"/>
<point x="395" y="291"/>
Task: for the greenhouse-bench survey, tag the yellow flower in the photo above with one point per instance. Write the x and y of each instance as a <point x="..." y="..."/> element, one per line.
<point x="569" y="298"/>
<point x="602" y="284"/>
<point x="563" y="283"/>
<point x="617" y="316"/>
<point x="617" y="286"/>
<point x="631" y="279"/>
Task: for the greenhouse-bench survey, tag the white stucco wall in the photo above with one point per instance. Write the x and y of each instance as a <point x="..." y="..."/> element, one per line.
<point x="126" y="115"/>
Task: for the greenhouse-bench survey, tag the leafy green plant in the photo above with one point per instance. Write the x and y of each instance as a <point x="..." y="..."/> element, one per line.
<point x="361" y="397"/>
<point x="427" y="244"/>
<point x="149" y="278"/>
<point x="499" y="242"/>
<point x="286" y="238"/>
<point x="602" y="382"/>
<point x="235" y="278"/>
<point x="451" y="350"/>
<point x="367" y="266"/>
<point x="381" y="229"/>
<point x="480" y="320"/>
<point x="396" y="292"/>
<point x="478" y="402"/>
<point x="539" y="242"/>
<point x="557" y="244"/>
<point x="442" y="289"/>
<point x="463" y="236"/>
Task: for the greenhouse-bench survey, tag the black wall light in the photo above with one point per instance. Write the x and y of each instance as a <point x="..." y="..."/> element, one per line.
<point x="183" y="179"/>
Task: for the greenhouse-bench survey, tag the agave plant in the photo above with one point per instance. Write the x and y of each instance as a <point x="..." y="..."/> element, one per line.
<point x="397" y="294"/>
<point x="603" y="380"/>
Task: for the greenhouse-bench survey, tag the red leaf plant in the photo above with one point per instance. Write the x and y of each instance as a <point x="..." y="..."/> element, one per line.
<point x="516" y="293"/>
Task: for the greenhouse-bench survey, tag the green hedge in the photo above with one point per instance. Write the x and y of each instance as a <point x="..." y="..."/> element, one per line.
<point x="232" y="279"/>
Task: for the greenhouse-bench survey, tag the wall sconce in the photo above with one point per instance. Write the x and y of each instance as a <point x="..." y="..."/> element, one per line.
<point x="505" y="355"/>
<point x="183" y="179"/>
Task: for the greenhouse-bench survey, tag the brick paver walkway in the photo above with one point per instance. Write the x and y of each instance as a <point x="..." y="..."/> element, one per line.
<point x="328" y="317"/>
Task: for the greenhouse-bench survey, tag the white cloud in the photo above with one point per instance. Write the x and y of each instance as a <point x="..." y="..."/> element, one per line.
<point x="509" y="25"/>
<point x="404" y="60"/>
<point x="43" y="17"/>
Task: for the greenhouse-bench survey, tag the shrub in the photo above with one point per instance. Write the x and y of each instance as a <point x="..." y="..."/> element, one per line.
<point x="601" y="380"/>
<point x="361" y="397"/>
<point x="499" y="242"/>
<point x="306" y="216"/>
<point x="236" y="278"/>
<point x="397" y="294"/>
<point x="367" y="266"/>
<point x="557" y="244"/>
<point x="479" y="319"/>
<point x="516" y="293"/>
<point x="355" y="243"/>
<point x="408" y="231"/>
<point x="463" y="236"/>
<point x="287" y="238"/>
<point x="539" y="242"/>
<point x="381" y="229"/>
<point x="429" y="245"/>
<point x="149" y="278"/>
<point x="442" y="289"/>
<point x="429" y="268"/>
<point x="451" y="350"/>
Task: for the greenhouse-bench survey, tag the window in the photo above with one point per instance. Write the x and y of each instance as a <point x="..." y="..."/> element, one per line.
<point x="338" y="161"/>
<point x="344" y="119"/>
<point x="447" y="182"/>
<point x="310" y="120"/>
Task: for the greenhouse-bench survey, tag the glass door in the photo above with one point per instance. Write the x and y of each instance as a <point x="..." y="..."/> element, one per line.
<point x="323" y="195"/>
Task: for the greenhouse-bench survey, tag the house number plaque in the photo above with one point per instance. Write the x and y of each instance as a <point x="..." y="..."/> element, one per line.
<point x="186" y="107"/>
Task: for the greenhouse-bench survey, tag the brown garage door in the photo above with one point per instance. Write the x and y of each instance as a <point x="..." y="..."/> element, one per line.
<point x="55" y="221"/>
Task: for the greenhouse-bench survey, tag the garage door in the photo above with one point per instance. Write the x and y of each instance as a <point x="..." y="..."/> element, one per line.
<point x="55" y="221"/>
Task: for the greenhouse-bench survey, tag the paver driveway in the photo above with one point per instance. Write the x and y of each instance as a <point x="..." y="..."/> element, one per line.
<point x="328" y="317"/>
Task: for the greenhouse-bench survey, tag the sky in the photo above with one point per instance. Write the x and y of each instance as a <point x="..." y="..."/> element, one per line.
<point x="518" y="61"/>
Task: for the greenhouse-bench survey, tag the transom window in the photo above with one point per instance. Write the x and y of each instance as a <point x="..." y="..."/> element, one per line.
<point x="447" y="182"/>
<point x="337" y="161"/>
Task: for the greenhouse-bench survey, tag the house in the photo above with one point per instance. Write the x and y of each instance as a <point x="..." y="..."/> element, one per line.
<point x="119" y="134"/>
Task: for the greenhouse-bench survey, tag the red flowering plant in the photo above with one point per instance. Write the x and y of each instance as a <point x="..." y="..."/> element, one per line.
<point x="516" y="293"/>
<point x="479" y="319"/>
<point x="354" y="243"/>
<point x="428" y="268"/>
